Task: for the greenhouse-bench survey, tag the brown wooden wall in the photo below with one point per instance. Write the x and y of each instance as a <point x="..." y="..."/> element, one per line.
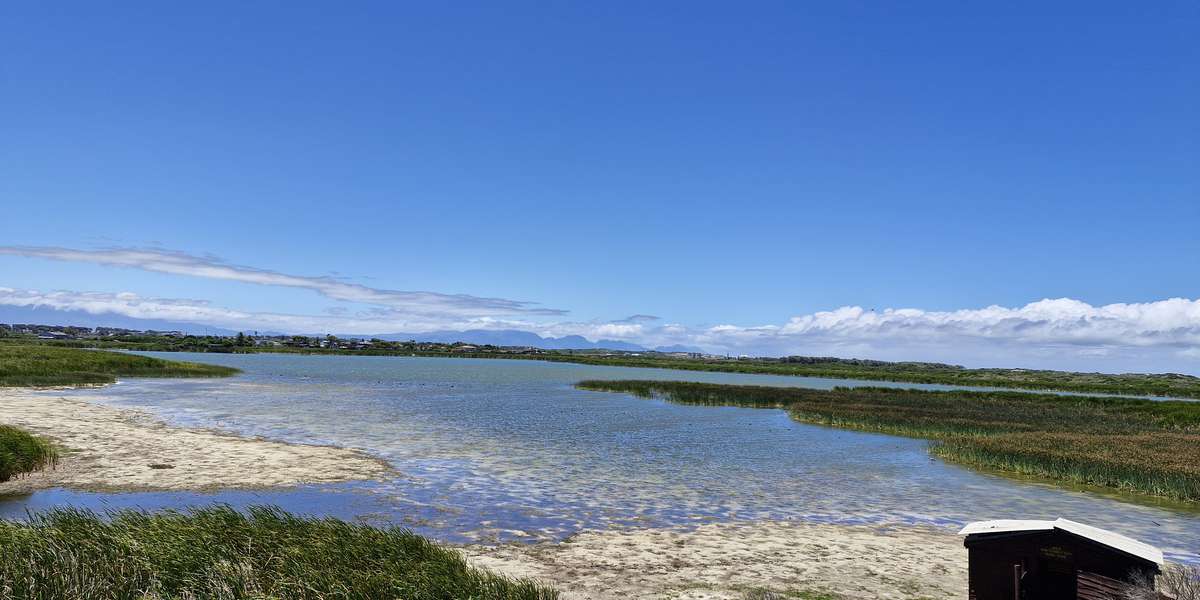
<point x="1055" y="564"/>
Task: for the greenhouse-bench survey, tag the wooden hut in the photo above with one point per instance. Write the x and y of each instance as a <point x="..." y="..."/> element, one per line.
<point x="1051" y="560"/>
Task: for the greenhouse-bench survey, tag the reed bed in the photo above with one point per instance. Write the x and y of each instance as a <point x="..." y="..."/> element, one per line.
<point x="1158" y="464"/>
<point x="42" y="366"/>
<point x="1129" y="384"/>
<point x="1143" y="446"/>
<point x="22" y="452"/>
<point x="220" y="553"/>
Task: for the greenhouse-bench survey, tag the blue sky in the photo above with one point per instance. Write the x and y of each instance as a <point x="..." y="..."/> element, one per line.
<point x="709" y="164"/>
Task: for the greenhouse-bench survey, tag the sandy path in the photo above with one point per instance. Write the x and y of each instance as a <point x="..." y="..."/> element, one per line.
<point x="112" y="449"/>
<point x="725" y="560"/>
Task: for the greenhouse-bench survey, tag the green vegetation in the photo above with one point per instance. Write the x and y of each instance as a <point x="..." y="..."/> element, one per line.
<point x="1131" y="384"/>
<point x="220" y="553"/>
<point x="22" y="452"/>
<point x="1143" y="446"/>
<point x="43" y="365"/>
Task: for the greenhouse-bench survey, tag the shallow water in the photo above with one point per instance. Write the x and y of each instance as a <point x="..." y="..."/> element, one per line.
<point x="503" y="449"/>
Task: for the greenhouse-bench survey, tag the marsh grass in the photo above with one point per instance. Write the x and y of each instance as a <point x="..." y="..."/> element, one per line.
<point x="1128" y="384"/>
<point x="1143" y="446"/>
<point x="220" y="553"/>
<point x="42" y="366"/>
<point x="22" y="452"/>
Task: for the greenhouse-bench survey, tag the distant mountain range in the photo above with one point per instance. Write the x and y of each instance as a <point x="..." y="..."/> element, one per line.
<point x="79" y="318"/>
<point x="498" y="337"/>
<point x="506" y="337"/>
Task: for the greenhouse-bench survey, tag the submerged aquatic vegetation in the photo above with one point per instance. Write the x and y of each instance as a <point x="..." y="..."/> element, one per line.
<point x="41" y="365"/>
<point x="22" y="452"/>
<point x="1144" y="446"/>
<point x="220" y="553"/>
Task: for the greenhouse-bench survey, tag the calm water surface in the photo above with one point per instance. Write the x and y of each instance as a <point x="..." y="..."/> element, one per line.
<point x="500" y="449"/>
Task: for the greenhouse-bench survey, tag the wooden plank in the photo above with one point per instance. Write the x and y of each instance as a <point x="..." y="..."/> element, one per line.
<point x="1091" y="586"/>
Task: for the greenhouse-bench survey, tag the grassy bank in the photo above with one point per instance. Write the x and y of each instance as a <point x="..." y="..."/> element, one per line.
<point x="1144" y="446"/>
<point x="220" y="553"/>
<point x="43" y="365"/>
<point x="22" y="452"/>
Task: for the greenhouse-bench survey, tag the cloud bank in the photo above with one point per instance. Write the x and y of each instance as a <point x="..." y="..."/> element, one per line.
<point x="429" y="304"/>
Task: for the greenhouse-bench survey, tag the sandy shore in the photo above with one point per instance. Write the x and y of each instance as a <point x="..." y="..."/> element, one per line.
<point x="726" y="560"/>
<point x="123" y="450"/>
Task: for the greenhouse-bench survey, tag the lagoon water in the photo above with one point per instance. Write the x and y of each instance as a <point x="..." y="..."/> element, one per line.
<point x="506" y="449"/>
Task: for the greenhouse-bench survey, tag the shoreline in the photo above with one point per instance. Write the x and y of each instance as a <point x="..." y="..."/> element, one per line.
<point x="724" y="561"/>
<point x="110" y="449"/>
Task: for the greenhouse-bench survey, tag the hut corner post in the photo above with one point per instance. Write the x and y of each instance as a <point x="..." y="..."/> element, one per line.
<point x="1017" y="581"/>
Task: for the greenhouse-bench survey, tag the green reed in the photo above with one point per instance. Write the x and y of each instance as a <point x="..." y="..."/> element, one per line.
<point x="220" y="553"/>
<point x="22" y="452"/>
<point x="41" y="365"/>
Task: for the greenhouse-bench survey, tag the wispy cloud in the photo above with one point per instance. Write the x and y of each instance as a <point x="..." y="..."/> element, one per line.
<point x="201" y="312"/>
<point x="417" y="303"/>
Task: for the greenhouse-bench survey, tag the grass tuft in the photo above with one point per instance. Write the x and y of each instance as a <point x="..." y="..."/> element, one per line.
<point x="22" y="452"/>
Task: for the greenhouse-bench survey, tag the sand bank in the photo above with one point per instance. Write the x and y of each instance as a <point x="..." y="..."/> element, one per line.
<point x="725" y="560"/>
<point x="124" y="450"/>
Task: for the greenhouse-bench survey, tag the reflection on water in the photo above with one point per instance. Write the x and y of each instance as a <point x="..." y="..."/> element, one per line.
<point x="499" y="449"/>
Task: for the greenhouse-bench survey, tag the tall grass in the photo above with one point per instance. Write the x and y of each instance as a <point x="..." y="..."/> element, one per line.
<point x="22" y="452"/>
<point x="1144" y="446"/>
<point x="40" y="365"/>
<point x="219" y="553"/>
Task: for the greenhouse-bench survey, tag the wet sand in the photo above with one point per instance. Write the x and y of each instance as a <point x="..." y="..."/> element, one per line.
<point x="116" y="449"/>
<point x="725" y="560"/>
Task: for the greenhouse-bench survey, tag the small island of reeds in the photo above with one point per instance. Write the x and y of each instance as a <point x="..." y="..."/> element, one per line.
<point x="1142" y="446"/>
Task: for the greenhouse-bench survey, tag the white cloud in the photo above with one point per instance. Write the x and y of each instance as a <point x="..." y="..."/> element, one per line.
<point x="431" y="304"/>
<point x="201" y="312"/>
<point x="1060" y="321"/>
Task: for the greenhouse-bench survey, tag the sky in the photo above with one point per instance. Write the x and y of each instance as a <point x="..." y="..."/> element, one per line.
<point x="986" y="184"/>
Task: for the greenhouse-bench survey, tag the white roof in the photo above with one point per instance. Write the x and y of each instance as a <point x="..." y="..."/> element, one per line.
<point x="1108" y="538"/>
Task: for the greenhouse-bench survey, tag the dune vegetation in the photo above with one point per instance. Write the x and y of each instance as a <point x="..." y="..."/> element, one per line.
<point x="22" y="452"/>
<point x="43" y="365"/>
<point x="220" y="553"/>
<point x="1143" y="446"/>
